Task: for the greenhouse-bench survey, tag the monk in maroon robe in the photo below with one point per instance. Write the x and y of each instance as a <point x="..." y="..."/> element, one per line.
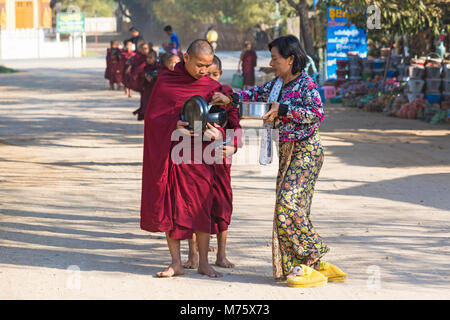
<point x="127" y="58"/>
<point x="108" y="62"/>
<point x="248" y="60"/>
<point x="222" y="192"/>
<point x="137" y="73"/>
<point x="147" y="83"/>
<point x="177" y="198"/>
<point x="115" y="66"/>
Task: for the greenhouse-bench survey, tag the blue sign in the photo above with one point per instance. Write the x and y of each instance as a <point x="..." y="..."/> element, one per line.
<point x="342" y="39"/>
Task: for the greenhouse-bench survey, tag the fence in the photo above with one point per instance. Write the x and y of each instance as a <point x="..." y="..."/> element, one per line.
<point x="101" y="25"/>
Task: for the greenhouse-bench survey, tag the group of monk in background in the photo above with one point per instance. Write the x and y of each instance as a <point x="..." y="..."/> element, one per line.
<point x="135" y="68"/>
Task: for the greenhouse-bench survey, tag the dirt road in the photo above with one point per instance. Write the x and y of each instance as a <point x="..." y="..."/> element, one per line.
<point x="70" y="175"/>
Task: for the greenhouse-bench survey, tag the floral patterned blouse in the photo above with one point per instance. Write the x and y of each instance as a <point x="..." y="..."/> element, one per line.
<point x="301" y="109"/>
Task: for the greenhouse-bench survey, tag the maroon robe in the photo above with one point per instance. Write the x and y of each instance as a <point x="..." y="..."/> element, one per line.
<point x="176" y="198"/>
<point x="127" y="60"/>
<point x="248" y="67"/>
<point x="137" y="75"/>
<point x="108" y="64"/>
<point x="117" y="64"/>
<point x="147" y="88"/>
<point x="223" y="194"/>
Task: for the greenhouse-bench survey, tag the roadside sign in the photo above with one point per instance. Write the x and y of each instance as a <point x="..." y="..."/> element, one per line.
<point x="342" y="38"/>
<point x="70" y="22"/>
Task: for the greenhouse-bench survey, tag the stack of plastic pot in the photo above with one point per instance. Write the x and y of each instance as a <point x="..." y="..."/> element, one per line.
<point x="395" y="67"/>
<point x="354" y="66"/>
<point x="378" y="67"/>
<point x="433" y="83"/>
<point x="446" y="83"/>
<point x="415" y="83"/>
<point x="367" y="69"/>
<point x="342" y="71"/>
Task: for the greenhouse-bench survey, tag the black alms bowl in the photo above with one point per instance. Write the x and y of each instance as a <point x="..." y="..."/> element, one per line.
<point x="197" y="109"/>
<point x="217" y="115"/>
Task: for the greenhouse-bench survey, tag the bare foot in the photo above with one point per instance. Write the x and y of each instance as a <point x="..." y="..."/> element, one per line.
<point x="192" y="263"/>
<point x="171" y="271"/>
<point x="224" y="263"/>
<point x="209" y="271"/>
<point x="212" y="249"/>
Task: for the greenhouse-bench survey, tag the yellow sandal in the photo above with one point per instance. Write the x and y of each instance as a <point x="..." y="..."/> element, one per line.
<point x="332" y="272"/>
<point x="305" y="277"/>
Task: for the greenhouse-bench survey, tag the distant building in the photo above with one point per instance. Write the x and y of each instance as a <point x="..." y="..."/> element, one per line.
<point x="32" y="14"/>
<point x="26" y="31"/>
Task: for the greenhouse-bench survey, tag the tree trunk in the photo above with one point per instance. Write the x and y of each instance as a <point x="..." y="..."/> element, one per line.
<point x="386" y="67"/>
<point x="139" y="17"/>
<point x="305" y="29"/>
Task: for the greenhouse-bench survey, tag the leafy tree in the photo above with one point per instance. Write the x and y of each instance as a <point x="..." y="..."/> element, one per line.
<point x="190" y="14"/>
<point x="301" y="8"/>
<point x="101" y="8"/>
<point x="398" y="17"/>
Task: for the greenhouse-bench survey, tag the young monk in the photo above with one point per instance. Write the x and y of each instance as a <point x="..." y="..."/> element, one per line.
<point x="137" y="73"/>
<point x="127" y="57"/>
<point x="150" y="76"/>
<point x="177" y="197"/>
<point x="169" y="60"/>
<point x="222" y="191"/>
<point x="115" y="66"/>
<point x="108" y="63"/>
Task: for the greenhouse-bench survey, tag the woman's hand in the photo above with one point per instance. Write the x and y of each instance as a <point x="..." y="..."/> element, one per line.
<point x="212" y="132"/>
<point x="273" y="112"/>
<point x="219" y="99"/>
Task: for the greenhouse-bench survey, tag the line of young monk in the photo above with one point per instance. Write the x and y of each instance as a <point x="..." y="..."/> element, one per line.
<point x="186" y="201"/>
<point x="135" y="71"/>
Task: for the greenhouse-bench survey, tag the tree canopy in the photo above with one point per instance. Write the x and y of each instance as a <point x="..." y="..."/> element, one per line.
<point x="101" y="8"/>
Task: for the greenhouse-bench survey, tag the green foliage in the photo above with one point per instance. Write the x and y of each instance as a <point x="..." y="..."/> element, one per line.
<point x="399" y="16"/>
<point x="4" y="69"/>
<point x="190" y="14"/>
<point x="103" y="8"/>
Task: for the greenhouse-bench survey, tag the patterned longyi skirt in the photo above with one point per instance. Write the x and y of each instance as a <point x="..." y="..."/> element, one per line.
<point x="295" y="240"/>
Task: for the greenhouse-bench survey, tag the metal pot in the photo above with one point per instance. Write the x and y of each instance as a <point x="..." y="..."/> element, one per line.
<point x="253" y="110"/>
<point x="197" y="109"/>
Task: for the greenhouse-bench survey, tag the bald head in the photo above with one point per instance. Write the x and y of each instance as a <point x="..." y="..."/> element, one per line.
<point x="200" y="47"/>
<point x="198" y="58"/>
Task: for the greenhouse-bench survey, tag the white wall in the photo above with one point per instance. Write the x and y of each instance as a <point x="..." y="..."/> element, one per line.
<point x="32" y="43"/>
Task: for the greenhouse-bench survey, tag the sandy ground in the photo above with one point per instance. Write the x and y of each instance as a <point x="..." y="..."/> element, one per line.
<point x="70" y="175"/>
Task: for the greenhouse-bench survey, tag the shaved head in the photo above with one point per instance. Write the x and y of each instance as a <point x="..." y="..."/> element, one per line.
<point x="198" y="57"/>
<point x="200" y="47"/>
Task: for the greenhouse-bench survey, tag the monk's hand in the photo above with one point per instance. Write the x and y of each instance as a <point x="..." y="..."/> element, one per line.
<point x="272" y="114"/>
<point x="212" y="132"/>
<point x="219" y="99"/>
<point x="229" y="151"/>
<point x="181" y="128"/>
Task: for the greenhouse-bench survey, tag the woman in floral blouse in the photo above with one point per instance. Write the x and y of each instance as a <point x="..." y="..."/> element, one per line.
<point x="297" y="113"/>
